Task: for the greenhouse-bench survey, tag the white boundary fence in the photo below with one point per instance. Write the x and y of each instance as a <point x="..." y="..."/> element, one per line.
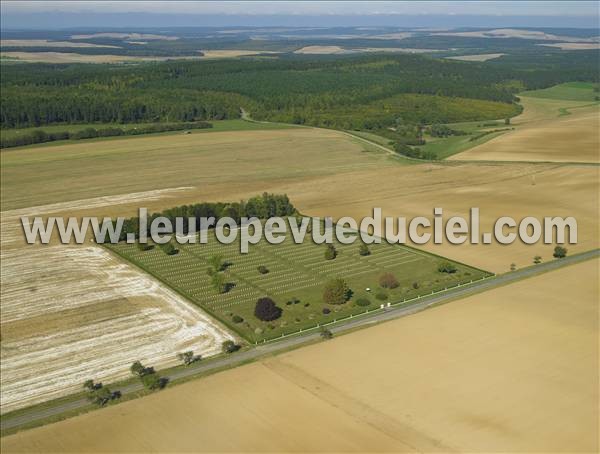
<point x="370" y="311"/>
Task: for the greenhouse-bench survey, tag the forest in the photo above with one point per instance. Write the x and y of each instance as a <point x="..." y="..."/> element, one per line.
<point x="349" y="92"/>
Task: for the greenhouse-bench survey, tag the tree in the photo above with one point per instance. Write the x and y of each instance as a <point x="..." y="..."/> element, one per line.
<point x="336" y="291"/>
<point x="559" y="252"/>
<point x="186" y="358"/>
<point x="98" y="394"/>
<point x="507" y="121"/>
<point x="513" y="266"/>
<point x="537" y="259"/>
<point x="388" y="280"/>
<point x="152" y="381"/>
<point x="137" y="369"/>
<point x="325" y="333"/>
<point x="217" y="262"/>
<point x="218" y="282"/>
<point x="168" y="248"/>
<point x="229" y="346"/>
<point x="101" y="396"/>
<point x="266" y="310"/>
<point x="363" y="250"/>
<point x="447" y="267"/>
<point x="330" y="252"/>
<point x="144" y="246"/>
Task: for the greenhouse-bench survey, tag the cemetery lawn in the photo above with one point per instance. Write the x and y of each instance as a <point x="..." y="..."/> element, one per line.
<point x="297" y="274"/>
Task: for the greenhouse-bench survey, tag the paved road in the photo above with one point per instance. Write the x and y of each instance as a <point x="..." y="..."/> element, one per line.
<point x="308" y="336"/>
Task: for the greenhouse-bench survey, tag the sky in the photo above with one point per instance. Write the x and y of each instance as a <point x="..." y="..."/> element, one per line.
<point x="31" y="14"/>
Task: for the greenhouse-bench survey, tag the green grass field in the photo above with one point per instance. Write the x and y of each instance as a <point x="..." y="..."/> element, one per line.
<point x="447" y="146"/>
<point x="295" y="271"/>
<point x="570" y="91"/>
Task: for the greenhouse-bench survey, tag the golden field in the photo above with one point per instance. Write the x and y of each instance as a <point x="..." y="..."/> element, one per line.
<point x="514" y="369"/>
<point x="325" y="173"/>
<point x="476" y="57"/>
<point x="46" y="43"/>
<point x="569" y="138"/>
<point x="72" y="57"/>
<point x="59" y="173"/>
<point x="515" y="190"/>
<point x="64" y="308"/>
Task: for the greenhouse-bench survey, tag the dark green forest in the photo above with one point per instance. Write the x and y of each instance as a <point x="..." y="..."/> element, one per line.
<point x="350" y="92"/>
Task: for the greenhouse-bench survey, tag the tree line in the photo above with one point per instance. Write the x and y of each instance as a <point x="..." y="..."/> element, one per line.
<point x="41" y="136"/>
<point x="262" y="207"/>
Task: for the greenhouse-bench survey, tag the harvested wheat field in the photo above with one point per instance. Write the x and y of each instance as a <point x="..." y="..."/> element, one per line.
<point x="65" y="308"/>
<point x="321" y="50"/>
<point x="48" y="175"/>
<point x="569" y="138"/>
<point x="323" y="172"/>
<point x="515" y="190"/>
<point x="476" y="57"/>
<point x="71" y="57"/>
<point x="513" y="369"/>
<point x="574" y="46"/>
<point x="46" y="43"/>
<point x="232" y="53"/>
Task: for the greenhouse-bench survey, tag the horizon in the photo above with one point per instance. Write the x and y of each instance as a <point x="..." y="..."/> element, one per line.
<point x="147" y="14"/>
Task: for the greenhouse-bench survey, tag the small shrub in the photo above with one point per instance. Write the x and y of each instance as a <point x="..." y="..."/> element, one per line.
<point x="237" y="319"/>
<point x="326" y="310"/>
<point x="263" y="269"/>
<point x="447" y="267"/>
<point x="330" y="252"/>
<point x="559" y="252"/>
<point x="364" y="250"/>
<point x="415" y="285"/>
<point x="168" y="248"/>
<point x="144" y="246"/>
<point x="229" y="346"/>
<point x="306" y="304"/>
<point x="325" y="333"/>
<point x="381" y="295"/>
<point x="363" y="302"/>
